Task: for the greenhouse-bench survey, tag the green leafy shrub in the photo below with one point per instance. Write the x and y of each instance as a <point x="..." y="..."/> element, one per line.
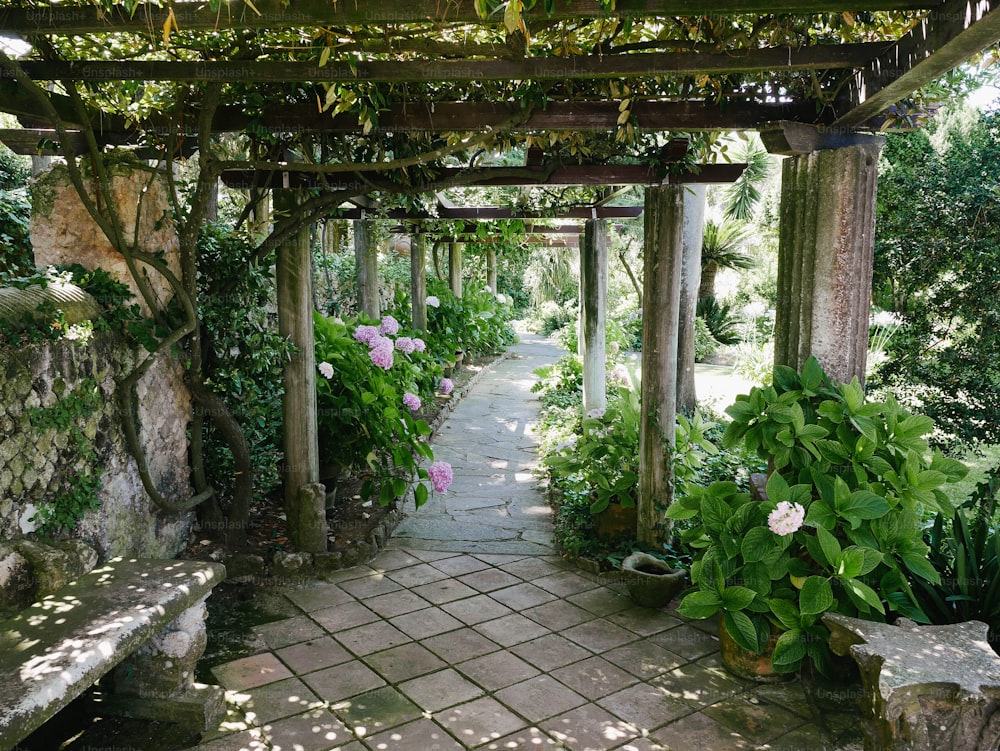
<point x="722" y="321"/>
<point x="705" y="345"/>
<point x="839" y="530"/>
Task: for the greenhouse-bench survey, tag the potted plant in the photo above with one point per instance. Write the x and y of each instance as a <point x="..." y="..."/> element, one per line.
<point x="838" y="529"/>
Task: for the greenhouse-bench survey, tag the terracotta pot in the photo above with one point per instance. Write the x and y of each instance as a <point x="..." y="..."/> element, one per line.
<point x="651" y="582"/>
<point x="616" y="520"/>
<point x="746" y="664"/>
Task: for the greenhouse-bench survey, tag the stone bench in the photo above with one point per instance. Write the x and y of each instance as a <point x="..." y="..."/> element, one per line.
<point x="925" y="688"/>
<point x="144" y="619"/>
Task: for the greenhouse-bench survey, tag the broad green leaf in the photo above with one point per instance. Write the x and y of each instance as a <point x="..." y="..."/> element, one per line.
<point x="863" y="592"/>
<point x="737" y="598"/>
<point x="758" y="542"/>
<point x="700" y="604"/>
<point x="812" y="374"/>
<point x="921" y="567"/>
<point x="829" y="545"/>
<point x="714" y="512"/>
<point x="820" y="514"/>
<point x="816" y="596"/>
<point x="789" y="650"/>
<point x="741" y="628"/>
<point x="785" y="611"/>
<point x="777" y="488"/>
<point x="420" y="494"/>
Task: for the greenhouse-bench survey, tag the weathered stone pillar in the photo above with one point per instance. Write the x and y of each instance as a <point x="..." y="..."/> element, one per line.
<point x="693" y="234"/>
<point x="304" y="507"/>
<point x="825" y="258"/>
<point x="455" y="268"/>
<point x="366" y="268"/>
<point x="418" y="281"/>
<point x="593" y="309"/>
<point x="663" y="218"/>
<point x="491" y="269"/>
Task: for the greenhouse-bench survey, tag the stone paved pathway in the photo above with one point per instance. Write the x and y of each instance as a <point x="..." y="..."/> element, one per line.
<point x="471" y="633"/>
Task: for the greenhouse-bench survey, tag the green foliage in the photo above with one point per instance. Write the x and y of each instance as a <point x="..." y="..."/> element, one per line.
<point x="16" y="256"/>
<point x="550" y="317"/>
<point x="244" y="355"/>
<point x="965" y="552"/>
<point x="722" y="322"/>
<point x="937" y="264"/>
<point x="364" y="424"/>
<point x="705" y="344"/>
<point x="81" y="482"/>
<point x="839" y="530"/>
<point x="475" y="323"/>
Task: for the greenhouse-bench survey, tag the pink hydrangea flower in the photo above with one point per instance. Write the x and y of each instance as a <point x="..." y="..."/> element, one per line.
<point x="381" y="355"/>
<point x="441" y="476"/>
<point x="389" y="327"/>
<point x="786" y="518"/>
<point x="418" y="344"/>
<point x="325" y="370"/>
<point x="433" y="301"/>
<point x="405" y="345"/>
<point x="365" y="334"/>
<point x="411" y="401"/>
<point x="446" y="386"/>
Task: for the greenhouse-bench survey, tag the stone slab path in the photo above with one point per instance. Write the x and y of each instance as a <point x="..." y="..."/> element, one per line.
<point x="470" y="632"/>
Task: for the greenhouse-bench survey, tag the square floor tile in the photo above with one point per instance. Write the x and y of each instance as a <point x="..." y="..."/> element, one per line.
<point x="700" y="684"/>
<point x="289" y="631"/>
<point x="317" y="730"/>
<point x="686" y="641"/>
<point x="511" y="629"/>
<point x="396" y="603"/>
<point x="565" y="583"/>
<point x="343" y="617"/>
<point x="250" y="672"/>
<point x="372" y="637"/>
<point x="461" y="645"/>
<point x="497" y="670"/>
<point x="377" y="710"/>
<point x="594" y="677"/>
<point x="644" y="621"/>
<point x="601" y="601"/>
<point x="700" y="731"/>
<point x="532" y="568"/>
<point x="421" y="735"/>
<point x="499" y="559"/>
<point x="480" y="721"/>
<point x="476" y="609"/>
<point x="273" y="701"/>
<point x="414" y="576"/>
<point x="599" y="635"/>
<point x="643" y="659"/>
<point x="249" y="740"/>
<point x="489" y="579"/>
<point x="427" y="622"/>
<point x="343" y="681"/>
<point x="389" y="560"/>
<point x="757" y="721"/>
<point x="539" y="698"/>
<point x="527" y="739"/>
<point x="522" y="596"/>
<point x="404" y="662"/>
<point x="445" y="590"/>
<point x="460" y="565"/>
<point x="595" y="729"/>
<point x="558" y="615"/>
<point x="645" y="706"/>
<point x="439" y="690"/>
<point x="318" y="597"/>
<point x="374" y="585"/>
<point x="315" y="654"/>
<point x="549" y="652"/>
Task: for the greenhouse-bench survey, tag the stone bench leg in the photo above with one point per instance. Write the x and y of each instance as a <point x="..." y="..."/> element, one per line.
<point x="156" y="682"/>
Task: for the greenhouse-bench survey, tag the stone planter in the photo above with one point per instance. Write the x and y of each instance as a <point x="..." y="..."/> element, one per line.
<point x="746" y="664"/>
<point x="651" y="582"/>
<point x="615" y="521"/>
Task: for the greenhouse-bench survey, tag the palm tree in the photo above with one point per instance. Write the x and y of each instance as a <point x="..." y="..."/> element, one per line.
<point x="721" y="249"/>
<point x="742" y="196"/>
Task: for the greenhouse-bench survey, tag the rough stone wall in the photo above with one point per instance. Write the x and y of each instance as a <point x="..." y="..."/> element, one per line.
<point x="37" y="464"/>
<point x="63" y="232"/>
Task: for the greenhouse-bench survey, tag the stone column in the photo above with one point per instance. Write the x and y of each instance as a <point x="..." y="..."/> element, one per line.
<point x="593" y="308"/>
<point x="825" y="258"/>
<point x="366" y="268"/>
<point x="455" y="268"/>
<point x="694" y="231"/>
<point x="491" y="269"/>
<point x="304" y="498"/>
<point x="663" y="218"/>
<point x="418" y="281"/>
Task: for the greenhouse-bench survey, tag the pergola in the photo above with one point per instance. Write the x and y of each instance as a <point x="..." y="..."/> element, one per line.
<point x="342" y="99"/>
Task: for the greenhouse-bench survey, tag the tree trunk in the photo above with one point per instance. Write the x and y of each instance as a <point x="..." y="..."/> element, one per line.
<point x="694" y="230"/>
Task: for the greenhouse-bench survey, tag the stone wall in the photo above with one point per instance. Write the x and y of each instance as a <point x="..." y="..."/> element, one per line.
<point x="37" y="464"/>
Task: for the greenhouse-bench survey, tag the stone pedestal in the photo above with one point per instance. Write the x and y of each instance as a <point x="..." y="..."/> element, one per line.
<point x="926" y="688"/>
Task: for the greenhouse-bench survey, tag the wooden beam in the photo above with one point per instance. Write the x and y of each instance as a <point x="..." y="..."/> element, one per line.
<point x="38" y="142"/>
<point x="277" y="14"/>
<point x="790" y="139"/>
<point x="494" y="212"/>
<point x="817" y="57"/>
<point x="15" y="100"/>
<point x="947" y="37"/>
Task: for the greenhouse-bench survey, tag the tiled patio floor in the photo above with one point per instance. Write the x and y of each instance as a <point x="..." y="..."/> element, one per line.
<point x="445" y="643"/>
